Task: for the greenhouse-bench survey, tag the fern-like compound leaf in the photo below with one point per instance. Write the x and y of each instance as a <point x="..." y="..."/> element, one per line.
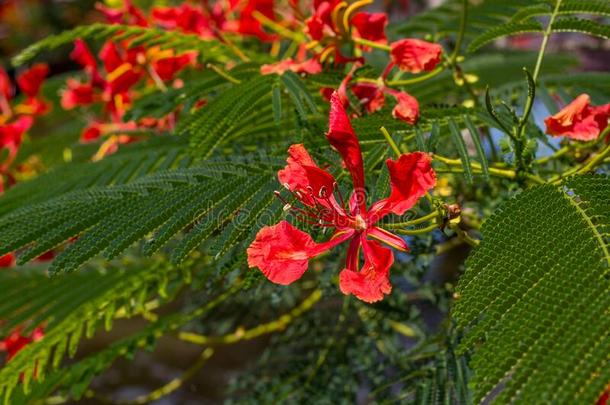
<point x="534" y="302"/>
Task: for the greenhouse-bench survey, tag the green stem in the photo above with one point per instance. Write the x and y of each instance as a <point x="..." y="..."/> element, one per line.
<point x="419" y="231"/>
<point x="388" y="138"/>
<point x="416" y="221"/>
<point x="463" y="235"/>
<point x="417" y="79"/>
<point x="545" y="40"/>
<point x="460" y="37"/>
<point x="585" y="167"/>
<point x="372" y="44"/>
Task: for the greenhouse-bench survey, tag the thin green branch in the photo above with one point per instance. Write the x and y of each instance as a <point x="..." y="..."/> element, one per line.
<point x="545" y="40"/>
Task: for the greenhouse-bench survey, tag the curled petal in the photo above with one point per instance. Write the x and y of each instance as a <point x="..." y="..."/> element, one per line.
<point x="371" y="26"/>
<point x="579" y="120"/>
<point x="372" y="282"/>
<point x="30" y="81"/>
<point x="282" y="252"/>
<point x="415" y="55"/>
<point x="406" y="109"/>
<point x="341" y="135"/>
<point x="303" y="174"/>
<point x="411" y="176"/>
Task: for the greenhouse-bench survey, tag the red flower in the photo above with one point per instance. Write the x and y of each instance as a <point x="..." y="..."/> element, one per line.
<point x="370" y="96"/>
<point x="605" y="398"/>
<point x="310" y="66"/>
<point x="320" y="22"/>
<point x="11" y="136"/>
<point x="249" y="25"/>
<point x="15" y="342"/>
<point x="415" y="55"/>
<point x="6" y="87"/>
<point x="371" y="26"/>
<point x="166" y="68"/>
<point x="184" y="17"/>
<point x="91" y="133"/>
<point x="77" y="94"/>
<point x="83" y="56"/>
<point x="128" y="14"/>
<point x="579" y="120"/>
<point x="30" y="81"/>
<point x="407" y="107"/>
<point x="8" y="260"/>
<point x="282" y="252"/>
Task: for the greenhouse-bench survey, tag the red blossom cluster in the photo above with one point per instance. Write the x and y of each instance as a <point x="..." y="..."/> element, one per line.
<point x="16" y="120"/>
<point x="282" y="252"/>
<point x="334" y="23"/>
<point x="16" y="341"/>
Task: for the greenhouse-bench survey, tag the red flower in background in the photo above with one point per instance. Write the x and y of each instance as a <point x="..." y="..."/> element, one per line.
<point x="310" y="66"/>
<point x="11" y="136"/>
<point x="407" y="107"/>
<point x="579" y="120"/>
<point x="77" y="94"/>
<point x="8" y="260"/>
<point x="415" y="55"/>
<point x="248" y="24"/>
<point x="185" y="17"/>
<point x="371" y="26"/>
<point x="16" y="341"/>
<point x="30" y="81"/>
<point x="282" y="252"/>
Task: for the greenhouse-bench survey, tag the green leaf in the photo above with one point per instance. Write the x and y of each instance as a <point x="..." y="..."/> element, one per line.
<point x="533" y="303"/>
<point x="460" y="145"/>
<point x="476" y="139"/>
<point x="276" y="98"/>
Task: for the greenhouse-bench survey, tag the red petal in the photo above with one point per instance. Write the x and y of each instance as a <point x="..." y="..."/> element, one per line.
<point x="370" y="96"/>
<point x="579" y="120"/>
<point x="410" y="176"/>
<point x="83" y="56"/>
<point x="282" y="252"/>
<point x="388" y="238"/>
<point x="372" y="282"/>
<point x="8" y="260"/>
<point x="371" y="26"/>
<point x="341" y="135"/>
<point x="407" y="108"/>
<point x="30" y="81"/>
<point x="301" y="173"/>
<point x="109" y="54"/>
<point x="77" y="94"/>
<point x="6" y="88"/>
<point x="310" y="66"/>
<point x="415" y="55"/>
<point x="166" y="68"/>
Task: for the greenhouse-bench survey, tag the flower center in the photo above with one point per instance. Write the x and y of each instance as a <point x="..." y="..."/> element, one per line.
<point x="360" y="223"/>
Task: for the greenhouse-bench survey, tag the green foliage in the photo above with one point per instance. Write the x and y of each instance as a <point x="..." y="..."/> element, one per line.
<point x="138" y="36"/>
<point x="74" y="307"/>
<point x="533" y="305"/>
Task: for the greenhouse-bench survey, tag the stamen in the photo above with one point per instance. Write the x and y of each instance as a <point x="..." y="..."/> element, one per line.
<point x="287" y="207"/>
<point x="323" y="192"/>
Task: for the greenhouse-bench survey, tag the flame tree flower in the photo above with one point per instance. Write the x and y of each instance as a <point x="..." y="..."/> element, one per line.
<point x="579" y="120"/>
<point x="282" y="252"/>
